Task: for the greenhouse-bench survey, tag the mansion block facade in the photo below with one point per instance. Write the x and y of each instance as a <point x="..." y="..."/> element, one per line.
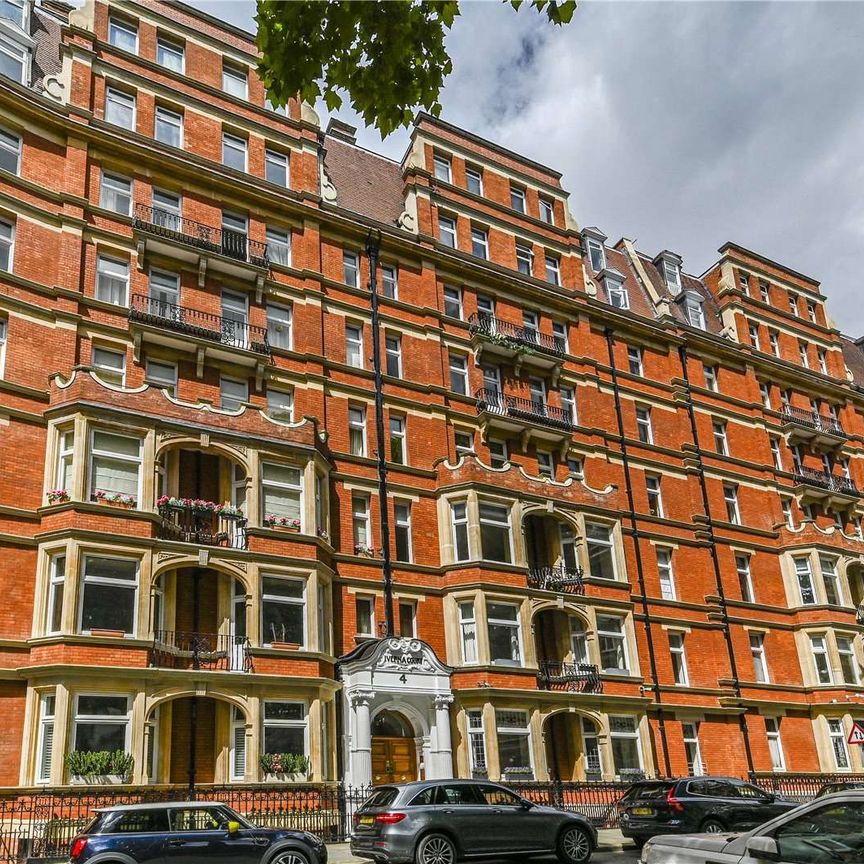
<point x="624" y="501"/>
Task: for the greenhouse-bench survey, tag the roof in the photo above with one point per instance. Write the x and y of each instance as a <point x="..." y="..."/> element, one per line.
<point x="854" y="357"/>
<point x="365" y="182"/>
<point x="765" y="260"/>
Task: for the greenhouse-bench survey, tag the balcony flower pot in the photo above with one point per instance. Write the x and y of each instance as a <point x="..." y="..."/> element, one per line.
<point x="58" y="496"/>
<point x="285" y="767"/>
<point x="115" y="499"/>
<point x="364" y="551"/>
<point x="286" y="646"/>
<point x="114" y="634"/>
<point x="100" y="779"/>
<point x="283" y="523"/>
<point x="100" y="767"/>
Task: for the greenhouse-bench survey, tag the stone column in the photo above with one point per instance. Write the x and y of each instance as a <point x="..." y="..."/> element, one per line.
<point x="443" y="753"/>
<point x="361" y="745"/>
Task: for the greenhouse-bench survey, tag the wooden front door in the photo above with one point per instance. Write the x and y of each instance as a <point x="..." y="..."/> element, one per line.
<point x="394" y="760"/>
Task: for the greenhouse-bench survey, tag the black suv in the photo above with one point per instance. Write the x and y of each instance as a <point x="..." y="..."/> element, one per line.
<point x="189" y="832"/>
<point x="696" y="804"/>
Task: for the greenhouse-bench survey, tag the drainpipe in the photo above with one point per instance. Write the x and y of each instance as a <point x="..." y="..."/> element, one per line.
<point x="373" y="245"/>
<point x="640" y="573"/>
<point x="715" y="558"/>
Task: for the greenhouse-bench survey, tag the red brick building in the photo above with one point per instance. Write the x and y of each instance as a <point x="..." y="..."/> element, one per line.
<point x="623" y="500"/>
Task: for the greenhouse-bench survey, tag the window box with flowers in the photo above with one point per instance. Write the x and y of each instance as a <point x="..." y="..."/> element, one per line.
<point x="115" y="499"/>
<point x="100" y="767"/>
<point x="195" y="520"/>
<point x="198" y="505"/>
<point x="365" y="551"/>
<point x="58" y="496"/>
<point x="271" y="520"/>
<point x="285" y="767"/>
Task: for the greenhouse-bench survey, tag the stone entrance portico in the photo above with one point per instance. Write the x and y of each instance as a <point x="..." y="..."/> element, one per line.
<point x="406" y="677"/>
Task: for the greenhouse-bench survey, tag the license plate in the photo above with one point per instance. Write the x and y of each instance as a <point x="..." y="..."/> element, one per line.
<point x="642" y="811"/>
<point x="367" y="820"/>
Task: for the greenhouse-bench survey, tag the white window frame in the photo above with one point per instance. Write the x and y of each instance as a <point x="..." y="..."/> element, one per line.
<point x="512" y="626"/>
<point x="458" y="373"/>
<point x="459" y="523"/>
<point x="819" y="648"/>
<point x="616" y="293"/>
<point x="239" y="79"/>
<point x="644" y="427"/>
<point x="369" y="600"/>
<point x="127" y="28"/>
<point x="235" y="144"/>
<point x="619" y="636"/>
<point x="65" y="455"/>
<point x="286" y="487"/>
<point x="361" y="520"/>
<point x="279" y="239"/>
<point x="115" y="269"/>
<point x="690" y="735"/>
<point x="522" y="731"/>
<point x="113" y="455"/>
<point x="712" y="381"/>
<point x="390" y="281"/>
<point x="837" y="735"/>
<point x="468" y="632"/>
<point x="547" y="211"/>
<point x="596" y="254"/>
<point x="447" y="231"/>
<point x="654" y="491"/>
<point x="354" y="356"/>
<point x="393" y="351"/>
<point x="453" y="298"/>
<point x="497" y="525"/>
<point x="398" y="430"/>
<point x="518" y="199"/>
<point x="402" y="521"/>
<point x="666" y="573"/>
<point x="760" y="660"/>
<point x="104" y="719"/>
<point x="442" y="167"/>
<point x="56" y="594"/>
<point x="110" y="374"/>
<point x="474" y="174"/>
<point x="631" y="736"/>
<point x="120" y="98"/>
<point x="607" y="543"/>
<point x="721" y="438"/>
<point x="680" y="675"/>
<point x="753" y="330"/>
<point x="280" y="320"/>
<point x="772" y="732"/>
<point x="803" y="567"/>
<point x="848" y="652"/>
<point x="357" y="430"/>
<point x="524" y="258"/>
<point x="110" y="187"/>
<point x="286" y="724"/>
<point x="283" y="413"/>
<point x="745" y="577"/>
<point x="45" y="737"/>
<point x="730" y="497"/>
<point x="476" y="742"/>
<point x="130" y="585"/>
<point x="553" y="268"/>
<point x="171" y="119"/>
<point x="635" y="361"/>
<point x="480" y="242"/>
<point x="241" y="382"/>
<point x="284" y="600"/>
<point x="279" y="162"/>
<point x="165" y="46"/>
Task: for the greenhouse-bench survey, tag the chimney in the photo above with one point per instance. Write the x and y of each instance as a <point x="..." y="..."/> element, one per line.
<point x="342" y="131"/>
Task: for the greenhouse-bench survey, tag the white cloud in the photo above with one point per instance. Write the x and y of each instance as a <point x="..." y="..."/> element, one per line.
<point x="681" y="125"/>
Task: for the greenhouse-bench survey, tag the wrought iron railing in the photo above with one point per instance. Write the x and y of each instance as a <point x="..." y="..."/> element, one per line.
<point x="800" y="787"/>
<point x="576" y="677"/>
<point x="503" y="332"/>
<point x="813" y="420"/>
<point x="494" y="402"/>
<point x="221" y="241"/>
<point x="189" y="525"/>
<point x="564" y="580"/>
<point x="823" y="480"/>
<point x="203" y="325"/>
<point x="175" y="649"/>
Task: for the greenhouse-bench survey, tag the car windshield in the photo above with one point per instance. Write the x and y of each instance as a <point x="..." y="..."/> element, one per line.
<point x="382" y="797"/>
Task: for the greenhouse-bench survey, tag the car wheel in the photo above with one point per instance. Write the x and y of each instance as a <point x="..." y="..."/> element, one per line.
<point x="574" y="845"/>
<point x="290" y="856"/>
<point x="435" y="849"/>
<point x="712" y="826"/>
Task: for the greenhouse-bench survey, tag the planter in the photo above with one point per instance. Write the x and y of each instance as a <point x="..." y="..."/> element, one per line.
<point x="286" y="646"/>
<point x="58" y="498"/>
<point x="120" y="505"/>
<point x="294" y="529"/>
<point x="113" y="634"/>
<point x="100" y="780"/>
<point x="286" y="778"/>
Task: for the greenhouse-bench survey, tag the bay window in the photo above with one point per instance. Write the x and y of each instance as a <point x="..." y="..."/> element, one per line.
<point x="504" y="634"/>
<point x="804" y="574"/>
<point x="848" y="661"/>
<point x="286" y="728"/>
<point x="360" y="522"/>
<point x="495" y="540"/>
<point x="821" y="663"/>
<point x="476" y="743"/>
<point x="459" y="519"/>
<point x="101" y="723"/>
<point x="281" y="492"/>
<point x="56" y="592"/>
<point x="601" y="556"/>
<point x="514" y="742"/>
<point x="831" y="580"/>
<point x="468" y="632"/>
<point x="115" y="466"/>
<point x="837" y="737"/>
<point x="626" y="748"/>
<point x="613" y="644"/>
<point x="65" y="453"/>
<point x="283" y="610"/>
<point x="109" y="594"/>
<point x="45" y="737"/>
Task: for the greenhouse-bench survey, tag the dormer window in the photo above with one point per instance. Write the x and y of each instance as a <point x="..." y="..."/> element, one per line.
<point x="669" y="265"/>
<point x="693" y="304"/>
<point x="616" y="293"/>
<point x="595" y="245"/>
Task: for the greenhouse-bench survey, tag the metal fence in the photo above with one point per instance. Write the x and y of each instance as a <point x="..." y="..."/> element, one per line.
<point x="42" y="823"/>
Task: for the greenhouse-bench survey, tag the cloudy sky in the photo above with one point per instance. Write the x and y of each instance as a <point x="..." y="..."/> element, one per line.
<point x="679" y="124"/>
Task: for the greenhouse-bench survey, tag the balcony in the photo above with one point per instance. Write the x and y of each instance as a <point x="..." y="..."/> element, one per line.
<point x="571" y="677"/>
<point x="562" y="580"/>
<point x="829" y="489"/>
<point x="503" y="340"/>
<point x="224" y="250"/>
<point x="525" y="418"/>
<point x="205" y="524"/>
<point x="222" y="652"/>
<point x="812" y="428"/>
<point x="180" y="327"/>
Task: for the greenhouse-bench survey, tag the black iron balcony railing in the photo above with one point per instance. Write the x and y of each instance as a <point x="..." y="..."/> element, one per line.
<point x="225" y="652"/>
<point x="189" y="525"/>
<point x="823" y="480"/>
<point x="575" y="677"/>
<point x="813" y="420"/>
<point x="221" y="241"/>
<point x="503" y="332"/>
<point x="495" y="402"/>
<point x="204" y="325"/>
<point x="564" y="580"/>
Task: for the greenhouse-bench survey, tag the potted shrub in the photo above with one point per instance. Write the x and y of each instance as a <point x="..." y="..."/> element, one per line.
<point x="115" y="499"/>
<point x="58" y="496"/>
<point x="271" y="520"/>
<point x="285" y="767"/>
<point x="100" y="767"/>
<point x="365" y="551"/>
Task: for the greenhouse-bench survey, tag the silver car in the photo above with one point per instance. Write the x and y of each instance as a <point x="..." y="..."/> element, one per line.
<point x="444" y="821"/>
<point x="829" y="830"/>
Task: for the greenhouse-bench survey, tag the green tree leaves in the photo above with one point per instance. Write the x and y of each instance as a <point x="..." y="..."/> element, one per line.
<point x="389" y="57"/>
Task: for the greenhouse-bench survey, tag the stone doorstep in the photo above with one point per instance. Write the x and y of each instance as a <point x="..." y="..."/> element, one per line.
<point x="609" y="840"/>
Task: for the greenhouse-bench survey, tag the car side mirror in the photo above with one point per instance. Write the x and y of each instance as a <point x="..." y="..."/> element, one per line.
<point x="763" y="848"/>
<point x="233" y="827"/>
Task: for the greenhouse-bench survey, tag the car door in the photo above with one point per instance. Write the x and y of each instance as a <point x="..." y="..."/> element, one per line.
<point x="513" y="826"/>
<point x="758" y="805"/>
<point x="201" y="835"/>
<point x="461" y="811"/>
<point x="833" y="833"/>
<point x="139" y="833"/>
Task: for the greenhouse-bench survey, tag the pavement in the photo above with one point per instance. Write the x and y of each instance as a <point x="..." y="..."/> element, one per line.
<point x="614" y="848"/>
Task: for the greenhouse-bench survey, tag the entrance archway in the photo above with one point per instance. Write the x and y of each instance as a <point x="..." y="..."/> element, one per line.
<point x="394" y="749"/>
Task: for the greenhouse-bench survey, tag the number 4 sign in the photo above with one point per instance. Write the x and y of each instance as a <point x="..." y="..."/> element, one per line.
<point x="856" y="736"/>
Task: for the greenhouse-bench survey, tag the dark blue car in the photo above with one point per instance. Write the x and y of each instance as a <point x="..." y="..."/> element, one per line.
<point x="189" y="832"/>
